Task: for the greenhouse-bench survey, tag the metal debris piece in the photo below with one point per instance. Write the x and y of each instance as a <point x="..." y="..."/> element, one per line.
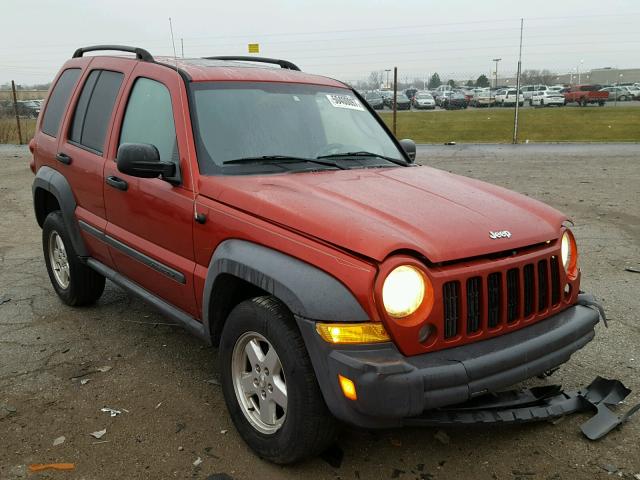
<point x="334" y="455"/>
<point x="628" y="269"/>
<point x="213" y="381"/>
<point x="4" y="298"/>
<point x="84" y="381"/>
<point x="538" y="404"/>
<point x="39" y="467"/>
<point x="223" y="431"/>
<point x="111" y="411"/>
<point x="59" y="441"/>
<point x="99" y="434"/>
<point x="197" y="462"/>
<point x="104" y="368"/>
<point x="158" y="406"/>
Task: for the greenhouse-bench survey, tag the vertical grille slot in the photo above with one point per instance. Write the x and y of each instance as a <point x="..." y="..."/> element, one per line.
<point x="543" y="285"/>
<point x="513" y="295"/>
<point x="529" y="290"/>
<point x="555" y="281"/>
<point x="451" y="295"/>
<point x="493" y="294"/>
<point x="473" y="304"/>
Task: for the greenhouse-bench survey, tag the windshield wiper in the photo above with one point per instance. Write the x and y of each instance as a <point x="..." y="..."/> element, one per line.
<point x="283" y="159"/>
<point x="365" y="154"/>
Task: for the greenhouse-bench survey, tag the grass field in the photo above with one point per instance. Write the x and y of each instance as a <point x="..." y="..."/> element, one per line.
<point x="23" y="94"/>
<point x="568" y="124"/>
<point x="9" y="129"/>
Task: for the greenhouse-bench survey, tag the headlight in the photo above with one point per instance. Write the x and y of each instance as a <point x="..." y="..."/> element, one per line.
<point x="403" y="291"/>
<point x="569" y="254"/>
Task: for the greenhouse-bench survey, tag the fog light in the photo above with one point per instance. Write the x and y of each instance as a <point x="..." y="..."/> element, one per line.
<point x="348" y="388"/>
<point x="365" y="332"/>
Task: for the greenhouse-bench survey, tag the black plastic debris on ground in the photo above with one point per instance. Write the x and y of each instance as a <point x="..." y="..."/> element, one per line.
<point x="538" y="404"/>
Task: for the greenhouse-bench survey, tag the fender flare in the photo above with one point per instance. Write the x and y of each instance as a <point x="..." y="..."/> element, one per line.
<point x="55" y="183"/>
<point x="306" y="290"/>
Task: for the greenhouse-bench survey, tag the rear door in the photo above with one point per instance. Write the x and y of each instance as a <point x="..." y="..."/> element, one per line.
<point x="150" y="220"/>
<point x="82" y="147"/>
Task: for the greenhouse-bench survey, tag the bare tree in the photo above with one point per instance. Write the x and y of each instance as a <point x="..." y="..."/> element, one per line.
<point x="376" y="78"/>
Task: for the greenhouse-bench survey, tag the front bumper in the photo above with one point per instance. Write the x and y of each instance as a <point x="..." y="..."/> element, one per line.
<point x="392" y="387"/>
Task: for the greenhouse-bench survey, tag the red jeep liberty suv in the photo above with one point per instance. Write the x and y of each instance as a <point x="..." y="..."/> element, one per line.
<point x="273" y="214"/>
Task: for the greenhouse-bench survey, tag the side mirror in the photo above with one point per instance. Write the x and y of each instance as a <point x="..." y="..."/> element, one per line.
<point x="143" y="160"/>
<point x="409" y="146"/>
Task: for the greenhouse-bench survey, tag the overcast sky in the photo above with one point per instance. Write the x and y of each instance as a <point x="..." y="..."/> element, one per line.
<point x="346" y="39"/>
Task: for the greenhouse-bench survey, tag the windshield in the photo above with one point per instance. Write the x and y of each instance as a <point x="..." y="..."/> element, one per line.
<point x="253" y="120"/>
<point x="424" y="96"/>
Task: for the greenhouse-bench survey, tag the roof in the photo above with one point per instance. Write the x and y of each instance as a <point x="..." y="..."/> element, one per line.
<point x="206" y="70"/>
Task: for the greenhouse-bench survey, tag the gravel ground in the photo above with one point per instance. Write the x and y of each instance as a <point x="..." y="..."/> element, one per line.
<point x="174" y="416"/>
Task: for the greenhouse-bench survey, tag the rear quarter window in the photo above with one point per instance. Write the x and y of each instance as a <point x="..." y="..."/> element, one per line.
<point x="58" y="100"/>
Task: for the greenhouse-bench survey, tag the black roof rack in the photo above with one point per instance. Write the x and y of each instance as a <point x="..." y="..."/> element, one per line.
<point x="283" y="63"/>
<point x="141" y="53"/>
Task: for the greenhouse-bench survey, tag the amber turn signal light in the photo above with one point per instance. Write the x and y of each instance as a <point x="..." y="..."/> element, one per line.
<point x="348" y="388"/>
<point x="350" y="333"/>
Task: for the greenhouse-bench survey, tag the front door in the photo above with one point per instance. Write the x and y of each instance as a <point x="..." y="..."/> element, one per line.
<point x="150" y="220"/>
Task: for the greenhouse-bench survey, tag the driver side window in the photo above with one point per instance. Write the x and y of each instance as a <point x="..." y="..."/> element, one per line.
<point x="149" y="119"/>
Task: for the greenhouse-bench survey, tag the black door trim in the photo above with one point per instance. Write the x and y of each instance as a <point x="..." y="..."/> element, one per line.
<point x="133" y="253"/>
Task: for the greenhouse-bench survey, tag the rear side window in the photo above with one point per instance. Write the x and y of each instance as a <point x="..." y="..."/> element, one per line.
<point x="94" y="108"/>
<point x="149" y="119"/>
<point x="58" y="101"/>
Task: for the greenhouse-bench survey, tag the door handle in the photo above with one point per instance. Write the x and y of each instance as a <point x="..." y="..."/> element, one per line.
<point x="63" y="158"/>
<point x="118" y="183"/>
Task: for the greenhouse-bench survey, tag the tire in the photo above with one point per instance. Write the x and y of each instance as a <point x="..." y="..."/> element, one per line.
<point x="304" y="427"/>
<point x="75" y="283"/>
<point x="623" y="98"/>
<point x="601" y="104"/>
<point x="542" y="103"/>
<point x="531" y="103"/>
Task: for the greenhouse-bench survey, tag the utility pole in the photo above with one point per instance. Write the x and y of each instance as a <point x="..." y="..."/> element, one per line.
<point x="515" y="117"/>
<point x="579" y="72"/>
<point x="395" y="97"/>
<point x="388" y="71"/>
<point x="182" y="46"/>
<point x="496" y="60"/>
<point x="15" y="109"/>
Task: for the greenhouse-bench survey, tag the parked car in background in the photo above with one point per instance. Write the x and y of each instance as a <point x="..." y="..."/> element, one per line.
<point x="633" y="91"/>
<point x="387" y="96"/>
<point x="586" y="94"/>
<point x="482" y="98"/>
<point x="375" y="100"/>
<point x="29" y="108"/>
<point x="424" y="100"/>
<point x="508" y="97"/>
<point x="529" y="90"/>
<point x="548" y="98"/>
<point x="453" y="100"/>
<point x="402" y="101"/>
<point x="618" y="94"/>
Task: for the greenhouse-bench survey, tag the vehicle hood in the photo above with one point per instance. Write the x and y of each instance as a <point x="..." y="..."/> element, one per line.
<point x="375" y="212"/>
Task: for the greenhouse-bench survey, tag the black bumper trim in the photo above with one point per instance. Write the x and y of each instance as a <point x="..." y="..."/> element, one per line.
<point x="392" y="387"/>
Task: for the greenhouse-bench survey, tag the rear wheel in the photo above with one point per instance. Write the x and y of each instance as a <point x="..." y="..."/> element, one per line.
<point x="269" y="384"/>
<point x="75" y="283"/>
<point x="601" y="104"/>
<point x="622" y="98"/>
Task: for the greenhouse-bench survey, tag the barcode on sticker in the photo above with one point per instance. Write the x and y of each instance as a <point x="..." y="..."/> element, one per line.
<point x="345" y="101"/>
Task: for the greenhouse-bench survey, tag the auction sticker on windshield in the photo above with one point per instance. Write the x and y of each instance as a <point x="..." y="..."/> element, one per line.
<point x="345" y="101"/>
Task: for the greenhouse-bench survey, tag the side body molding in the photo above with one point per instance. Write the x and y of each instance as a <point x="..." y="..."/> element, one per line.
<point x="54" y="182"/>
<point x="306" y="290"/>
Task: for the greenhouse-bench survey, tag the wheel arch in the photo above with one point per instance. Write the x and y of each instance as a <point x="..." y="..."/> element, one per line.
<point x="239" y="270"/>
<point x="51" y="191"/>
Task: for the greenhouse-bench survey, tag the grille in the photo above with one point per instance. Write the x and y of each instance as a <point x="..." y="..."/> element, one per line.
<point x="500" y="297"/>
<point x="451" y="295"/>
<point x="474" y="314"/>
<point x="493" y="292"/>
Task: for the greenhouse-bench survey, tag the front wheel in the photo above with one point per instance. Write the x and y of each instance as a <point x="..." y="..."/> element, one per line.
<point x="269" y="384"/>
<point x="75" y="283"/>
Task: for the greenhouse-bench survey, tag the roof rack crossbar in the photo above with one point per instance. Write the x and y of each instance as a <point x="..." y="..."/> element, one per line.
<point x="141" y="53"/>
<point x="283" y="63"/>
